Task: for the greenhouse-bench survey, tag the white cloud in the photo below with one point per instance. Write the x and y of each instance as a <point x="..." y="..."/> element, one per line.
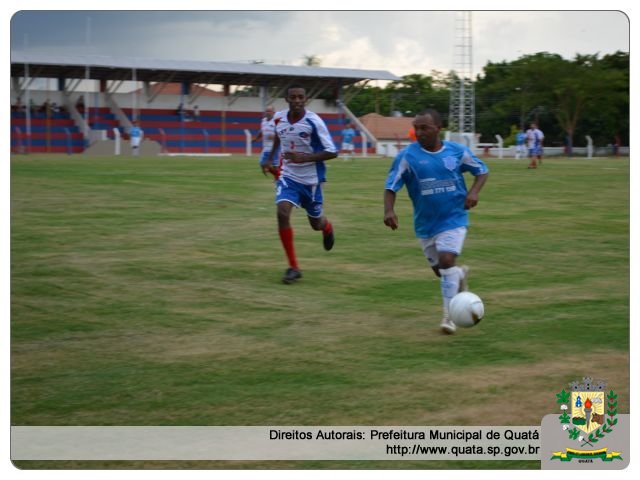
<point x="399" y="41"/>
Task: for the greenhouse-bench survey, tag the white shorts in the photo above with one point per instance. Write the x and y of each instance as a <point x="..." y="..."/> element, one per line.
<point x="347" y="147"/>
<point x="449" y="241"/>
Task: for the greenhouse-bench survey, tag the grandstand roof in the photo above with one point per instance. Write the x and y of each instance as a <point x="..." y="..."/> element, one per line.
<point x="151" y="70"/>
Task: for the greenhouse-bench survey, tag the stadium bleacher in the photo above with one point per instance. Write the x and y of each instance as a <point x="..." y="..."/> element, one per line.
<point x="214" y="131"/>
<point x="54" y="134"/>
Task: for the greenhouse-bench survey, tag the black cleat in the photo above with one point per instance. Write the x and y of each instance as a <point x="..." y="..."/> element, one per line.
<point x="291" y="276"/>
<point x="328" y="240"/>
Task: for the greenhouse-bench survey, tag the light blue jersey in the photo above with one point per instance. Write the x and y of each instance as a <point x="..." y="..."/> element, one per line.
<point x="135" y="132"/>
<point x="435" y="185"/>
<point x="347" y="135"/>
<point x="520" y="138"/>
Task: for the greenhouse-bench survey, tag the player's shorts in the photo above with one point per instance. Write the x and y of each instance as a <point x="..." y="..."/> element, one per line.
<point x="449" y="241"/>
<point x="347" y="147"/>
<point x="135" y="142"/>
<point x="535" y="151"/>
<point x="275" y="161"/>
<point x="308" y="197"/>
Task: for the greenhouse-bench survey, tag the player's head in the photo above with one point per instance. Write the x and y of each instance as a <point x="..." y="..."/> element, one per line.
<point x="534" y="125"/>
<point x="296" y="98"/>
<point x="269" y="111"/>
<point x="427" y="125"/>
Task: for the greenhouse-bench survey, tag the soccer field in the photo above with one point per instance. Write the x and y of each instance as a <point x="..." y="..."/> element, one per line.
<point x="147" y="292"/>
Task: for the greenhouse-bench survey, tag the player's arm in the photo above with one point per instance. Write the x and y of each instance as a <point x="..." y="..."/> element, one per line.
<point x="472" y="196"/>
<point x="257" y="137"/>
<point x="300" y="157"/>
<point x="390" y="217"/>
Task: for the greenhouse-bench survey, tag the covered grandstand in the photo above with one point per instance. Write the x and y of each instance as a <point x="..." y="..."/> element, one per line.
<point x="65" y="103"/>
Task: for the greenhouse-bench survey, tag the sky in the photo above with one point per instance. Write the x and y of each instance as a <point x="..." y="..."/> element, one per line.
<point x="402" y="42"/>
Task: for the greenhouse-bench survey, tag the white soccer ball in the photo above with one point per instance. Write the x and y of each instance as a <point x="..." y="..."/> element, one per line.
<point x="466" y="309"/>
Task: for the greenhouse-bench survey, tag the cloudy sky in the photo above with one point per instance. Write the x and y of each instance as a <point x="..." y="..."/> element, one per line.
<point x="402" y="42"/>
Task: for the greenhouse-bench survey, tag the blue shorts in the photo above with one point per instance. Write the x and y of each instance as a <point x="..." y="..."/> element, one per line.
<point x="535" y="151"/>
<point x="308" y="197"/>
<point x="276" y="157"/>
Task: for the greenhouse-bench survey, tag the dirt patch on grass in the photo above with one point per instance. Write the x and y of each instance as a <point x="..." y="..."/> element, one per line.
<point x="503" y="395"/>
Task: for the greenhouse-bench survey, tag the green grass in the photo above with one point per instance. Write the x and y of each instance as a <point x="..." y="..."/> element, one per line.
<point x="147" y="292"/>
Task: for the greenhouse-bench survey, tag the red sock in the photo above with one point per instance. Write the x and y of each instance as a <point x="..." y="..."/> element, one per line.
<point x="328" y="228"/>
<point x="286" y="237"/>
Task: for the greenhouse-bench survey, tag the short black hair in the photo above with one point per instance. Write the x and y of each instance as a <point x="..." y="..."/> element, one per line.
<point x="437" y="119"/>
<point x="296" y="85"/>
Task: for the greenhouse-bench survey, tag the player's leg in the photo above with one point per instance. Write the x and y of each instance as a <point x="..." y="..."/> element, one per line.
<point x="313" y="204"/>
<point x="532" y="157"/>
<point x="286" y="199"/>
<point x="452" y="278"/>
<point x="431" y="253"/>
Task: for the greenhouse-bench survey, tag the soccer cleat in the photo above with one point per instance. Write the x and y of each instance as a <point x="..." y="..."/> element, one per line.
<point x="328" y="240"/>
<point x="464" y="284"/>
<point x="447" y="326"/>
<point x="291" y="276"/>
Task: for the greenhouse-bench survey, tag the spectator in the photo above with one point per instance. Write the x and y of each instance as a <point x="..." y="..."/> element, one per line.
<point x="411" y="134"/>
<point x="616" y="145"/>
<point x="19" y="107"/>
<point x="196" y="113"/>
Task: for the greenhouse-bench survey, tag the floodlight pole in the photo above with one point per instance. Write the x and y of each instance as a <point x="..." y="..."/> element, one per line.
<point x="462" y="99"/>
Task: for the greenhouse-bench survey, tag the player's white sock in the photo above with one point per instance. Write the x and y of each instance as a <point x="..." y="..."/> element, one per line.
<point x="449" y="285"/>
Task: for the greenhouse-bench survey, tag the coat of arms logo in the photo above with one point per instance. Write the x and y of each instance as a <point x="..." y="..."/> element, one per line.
<point x="588" y="414"/>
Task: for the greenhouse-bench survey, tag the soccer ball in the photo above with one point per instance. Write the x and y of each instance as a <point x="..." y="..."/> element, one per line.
<point x="466" y="309"/>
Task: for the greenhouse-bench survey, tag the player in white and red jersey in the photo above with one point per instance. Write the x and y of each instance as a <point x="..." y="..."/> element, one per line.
<point x="267" y="133"/>
<point x="305" y="145"/>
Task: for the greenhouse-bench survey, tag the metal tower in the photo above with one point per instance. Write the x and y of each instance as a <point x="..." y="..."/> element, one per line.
<point x="462" y="102"/>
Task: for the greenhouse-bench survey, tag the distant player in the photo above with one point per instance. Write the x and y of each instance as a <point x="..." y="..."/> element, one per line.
<point x="135" y="135"/>
<point x="347" y="146"/>
<point x="521" y="136"/>
<point x="432" y="171"/>
<point x="535" y="138"/>
<point x="267" y="133"/>
<point x="306" y="145"/>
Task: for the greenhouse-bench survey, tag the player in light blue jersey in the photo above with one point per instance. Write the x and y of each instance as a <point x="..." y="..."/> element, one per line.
<point x="305" y="145"/>
<point x="347" y="146"/>
<point x="135" y="136"/>
<point x="432" y="170"/>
